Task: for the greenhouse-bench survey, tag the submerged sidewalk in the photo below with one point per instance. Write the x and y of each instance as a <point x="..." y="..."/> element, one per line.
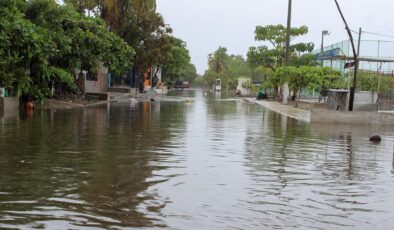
<point x="296" y="113"/>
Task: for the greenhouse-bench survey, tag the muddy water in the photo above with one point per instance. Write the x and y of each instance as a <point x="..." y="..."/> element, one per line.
<point x="209" y="163"/>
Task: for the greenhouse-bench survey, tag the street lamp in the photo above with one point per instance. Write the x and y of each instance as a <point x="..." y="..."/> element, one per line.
<point x="323" y="33"/>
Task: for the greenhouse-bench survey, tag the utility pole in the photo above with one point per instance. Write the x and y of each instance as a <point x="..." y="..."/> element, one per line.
<point x="356" y="66"/>
<point x="287" y="54"/>
<point x="353" y="88"/>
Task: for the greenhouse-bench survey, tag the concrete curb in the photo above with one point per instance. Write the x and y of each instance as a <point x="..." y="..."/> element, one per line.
<point x="296" y="113"/>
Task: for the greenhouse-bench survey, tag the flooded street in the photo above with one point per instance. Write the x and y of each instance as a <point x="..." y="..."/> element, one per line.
<point x="211" y="162"/>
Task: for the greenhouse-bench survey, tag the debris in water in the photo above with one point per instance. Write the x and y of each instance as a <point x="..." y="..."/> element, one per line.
<point x="375" y="139"/>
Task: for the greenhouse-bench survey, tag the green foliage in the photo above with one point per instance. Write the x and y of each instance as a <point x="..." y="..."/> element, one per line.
<point x="267" y="62"/>
<point x="83" y="40"/>
<point x="307" y="59"/>
<point x="305" y="77"/>
<point x="138" y="23"/>
<point x="41" y="42"/>
<point x="218" y="60"/>
<point x="21" y="42"/>
<point x="275" y="35"/>
<point x="210" y="76"/>
<point x="178" y="65"/>
<point x="237" y="67"/>
<point x="226" y="67"/>
<point x="199" y="81"/>
<point x="370" y="81"/>
<point x="262" y="56"/>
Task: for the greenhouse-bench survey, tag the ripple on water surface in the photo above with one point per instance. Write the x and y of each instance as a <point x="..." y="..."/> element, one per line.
<point x="205" y="164"/>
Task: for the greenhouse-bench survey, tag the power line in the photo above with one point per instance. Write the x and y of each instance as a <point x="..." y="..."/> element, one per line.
<point x="353" y="31"/>
<point x="379" y="34"/>
<point x="376" y="34"/>
<point x="380" y="28"/>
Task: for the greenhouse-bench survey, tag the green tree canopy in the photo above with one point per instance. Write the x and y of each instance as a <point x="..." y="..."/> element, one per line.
<point x="178" y="65"/>
<point x="226" y="67"/>
<point x="138" y="23"/>
<point x="43" y="42"/>
<point x="275" y="36"/>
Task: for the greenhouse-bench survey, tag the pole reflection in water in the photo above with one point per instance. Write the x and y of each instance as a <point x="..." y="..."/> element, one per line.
<point x="208" y="163"/>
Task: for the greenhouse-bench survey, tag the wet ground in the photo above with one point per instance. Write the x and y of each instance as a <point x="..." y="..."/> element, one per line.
<point x="206" y="162"/>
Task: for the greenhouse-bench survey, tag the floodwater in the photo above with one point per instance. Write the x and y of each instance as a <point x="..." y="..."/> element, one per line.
<point x="207" y="163"/>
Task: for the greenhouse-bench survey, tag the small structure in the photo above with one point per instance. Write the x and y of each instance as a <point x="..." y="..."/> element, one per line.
<point x="375" y="60"/>
<point x="8" y="105"/>
<point x="94" y="84"/>
<point x="218" y="84"/>
<point x="363" y="100"/>
<point x="337" y="99"/>
<point x="244" y="86"/>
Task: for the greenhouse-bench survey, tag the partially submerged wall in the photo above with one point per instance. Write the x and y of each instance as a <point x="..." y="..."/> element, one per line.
<point x="98" y="86"/>
<point x="9" y="106"/>
<point x="355" y="117"/>
<point x="9" y="103"/>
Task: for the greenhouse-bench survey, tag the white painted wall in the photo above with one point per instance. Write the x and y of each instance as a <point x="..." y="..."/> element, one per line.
<point x="242" y="81"/>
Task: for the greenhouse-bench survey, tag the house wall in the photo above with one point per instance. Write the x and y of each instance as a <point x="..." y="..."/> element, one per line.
<point x="244" y="91"/>
<point x="9" y="104"/>
<point x="100" y="85"/>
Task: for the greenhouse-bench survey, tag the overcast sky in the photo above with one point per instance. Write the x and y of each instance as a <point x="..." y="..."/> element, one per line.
<point x="207" y="24"/>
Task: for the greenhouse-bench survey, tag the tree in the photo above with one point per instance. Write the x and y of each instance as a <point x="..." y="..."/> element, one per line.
<point x="305" y="77"/>
<point x="44" y="42"/>
<point x="226" y="67"/>
<point x="218" y="60"/>
<point x="190" y="73"/>
<point x="138" y="23"/>
<point x="276" y="36"/>
<point x="178" y="65"/>
<point x="84" y="41"/>
<point x="273" y="57"/>
<point x="21" y="42"/>
<point x="236" y="67"/>
<point x="217" y="66"/>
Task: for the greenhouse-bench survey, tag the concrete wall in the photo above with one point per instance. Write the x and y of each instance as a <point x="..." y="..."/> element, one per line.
<point x="337" y="100"/>
<point x="365" y="97"/>
<point x="355" y="117"/>
<point x="363" y="100"/>
<point x="9" y="104"/>
<point x="303" y="104"/>
<point x="99" y="86"/>
<point x="240" y="87"/>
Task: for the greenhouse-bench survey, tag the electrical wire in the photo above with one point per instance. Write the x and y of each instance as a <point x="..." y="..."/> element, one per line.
<point x="379" y="34"/>
<point x="372" y="33"/>
<point x="383" y="27"/>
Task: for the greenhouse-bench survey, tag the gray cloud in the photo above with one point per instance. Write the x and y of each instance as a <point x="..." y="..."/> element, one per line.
<point x="207" y="24"/>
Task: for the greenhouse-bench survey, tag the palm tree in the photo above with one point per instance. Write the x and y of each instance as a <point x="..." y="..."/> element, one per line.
<point x="217" y="61"/>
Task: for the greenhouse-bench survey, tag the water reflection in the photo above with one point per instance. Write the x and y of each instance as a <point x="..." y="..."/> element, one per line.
<point x="211" y="163"/>
<point x="97" y="161"/>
